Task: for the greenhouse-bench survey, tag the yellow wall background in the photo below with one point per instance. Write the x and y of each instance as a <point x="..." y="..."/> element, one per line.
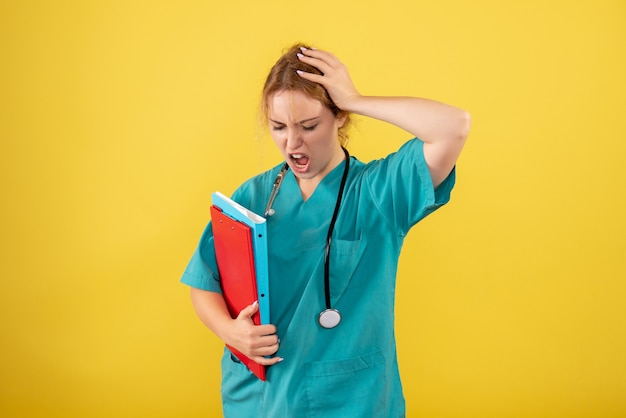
<point x="119" y="118"/>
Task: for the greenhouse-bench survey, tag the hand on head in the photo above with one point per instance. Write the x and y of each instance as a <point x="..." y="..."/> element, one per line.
<point x="335" y="77"/>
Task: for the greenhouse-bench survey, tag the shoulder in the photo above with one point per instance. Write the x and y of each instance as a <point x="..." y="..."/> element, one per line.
<point x="409" y="155"/>
<point x="399" y="186"/>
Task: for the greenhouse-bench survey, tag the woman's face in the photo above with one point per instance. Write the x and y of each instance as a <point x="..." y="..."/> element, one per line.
<point x="306" y="133"/>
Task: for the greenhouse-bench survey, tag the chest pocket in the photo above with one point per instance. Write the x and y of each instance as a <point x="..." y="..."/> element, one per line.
<point x="344" y="260"/>
<point x="352" y="387"/>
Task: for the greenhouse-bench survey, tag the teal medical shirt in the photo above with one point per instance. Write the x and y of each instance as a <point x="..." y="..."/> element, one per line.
<point x="350" y="370"/>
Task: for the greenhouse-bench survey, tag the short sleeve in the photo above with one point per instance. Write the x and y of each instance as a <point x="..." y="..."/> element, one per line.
<point x="201" y="272"/>
<point x="402" y="189"/>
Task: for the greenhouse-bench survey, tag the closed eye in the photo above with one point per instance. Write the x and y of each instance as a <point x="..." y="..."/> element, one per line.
<point x="277" y="127"/>
<point x="309" y="128"/>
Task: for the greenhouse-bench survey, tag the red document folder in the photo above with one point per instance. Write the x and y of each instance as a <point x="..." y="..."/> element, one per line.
<point x="235" y="262"/>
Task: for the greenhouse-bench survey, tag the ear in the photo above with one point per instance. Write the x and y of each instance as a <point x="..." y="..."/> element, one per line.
<point x="341" y="119"/>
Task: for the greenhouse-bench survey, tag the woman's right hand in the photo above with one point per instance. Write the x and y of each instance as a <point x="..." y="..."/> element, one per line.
<point x="254" y="341"/>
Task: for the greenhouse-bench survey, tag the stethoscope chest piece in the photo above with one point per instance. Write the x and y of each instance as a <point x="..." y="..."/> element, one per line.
<point x="329" y="318"/>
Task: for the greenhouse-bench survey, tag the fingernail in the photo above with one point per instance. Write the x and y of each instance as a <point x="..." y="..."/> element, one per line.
<point x="300" y="72"/>
<point x="256" y="302"/>
<point x="280" y="359"/>
<point x="300" y="55"/>
<point x="302" y="49"/>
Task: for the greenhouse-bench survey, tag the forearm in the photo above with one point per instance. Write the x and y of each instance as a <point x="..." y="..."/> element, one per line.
<point x="212" y="311"/>
<point x="429" y="120"/>
<point x="255" y="341"/>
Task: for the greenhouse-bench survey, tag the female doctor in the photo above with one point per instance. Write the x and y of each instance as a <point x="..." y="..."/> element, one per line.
<point x="335" y="233"/>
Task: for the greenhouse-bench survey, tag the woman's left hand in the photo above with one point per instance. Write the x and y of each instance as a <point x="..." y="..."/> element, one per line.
<point x="335" y="79"/>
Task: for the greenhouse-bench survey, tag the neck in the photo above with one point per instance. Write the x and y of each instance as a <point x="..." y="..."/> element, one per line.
<point x="308" y="186"/>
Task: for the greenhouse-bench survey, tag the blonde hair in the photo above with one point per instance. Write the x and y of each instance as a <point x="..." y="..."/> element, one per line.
<point x="283" y="77"/>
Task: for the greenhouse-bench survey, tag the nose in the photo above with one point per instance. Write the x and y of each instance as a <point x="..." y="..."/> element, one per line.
<point x="293" y="140"/>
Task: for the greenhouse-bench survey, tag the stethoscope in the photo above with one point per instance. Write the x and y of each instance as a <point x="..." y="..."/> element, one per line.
<point x="329" y="317"/>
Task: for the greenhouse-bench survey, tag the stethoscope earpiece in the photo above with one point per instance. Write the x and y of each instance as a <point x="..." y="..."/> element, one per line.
<point x="279" y="179"/>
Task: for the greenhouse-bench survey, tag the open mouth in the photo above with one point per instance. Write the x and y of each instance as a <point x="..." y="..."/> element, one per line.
<point x="300" y="160"/>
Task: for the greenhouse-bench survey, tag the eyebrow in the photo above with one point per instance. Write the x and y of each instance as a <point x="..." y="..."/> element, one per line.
<point x="301" y="122"/>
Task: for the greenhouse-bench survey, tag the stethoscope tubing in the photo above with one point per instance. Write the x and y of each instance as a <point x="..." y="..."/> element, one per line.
<point x="332" y="313"/>
<point x="331" y="228"/>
